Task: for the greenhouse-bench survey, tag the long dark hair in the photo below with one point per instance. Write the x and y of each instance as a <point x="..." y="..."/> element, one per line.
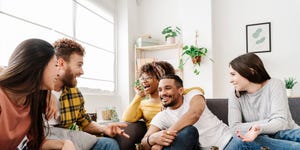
<point x="251" y="67"/>
<point x="23" y="76"/>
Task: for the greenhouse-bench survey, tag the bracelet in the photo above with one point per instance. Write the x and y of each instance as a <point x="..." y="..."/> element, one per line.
<point x="148" y="141"/>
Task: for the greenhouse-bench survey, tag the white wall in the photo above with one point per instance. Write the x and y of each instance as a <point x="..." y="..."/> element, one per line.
<point x="189" y="15"/>
<point x="229" y="37"/>
<point x="221" y="26"/>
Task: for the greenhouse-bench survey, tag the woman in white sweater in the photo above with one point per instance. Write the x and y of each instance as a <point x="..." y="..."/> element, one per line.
<point x="258" y="106"/>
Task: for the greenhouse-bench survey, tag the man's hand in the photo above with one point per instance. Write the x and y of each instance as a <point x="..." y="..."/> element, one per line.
<point x="251" y="135"/>
<point x="115" y="128"/>
<point x="52" y="109"/>
<point x="157" y="147"/>
<point x="163" y="138"/>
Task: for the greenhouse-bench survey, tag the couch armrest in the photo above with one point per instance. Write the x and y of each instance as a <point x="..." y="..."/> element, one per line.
<point x="136" y="131"/>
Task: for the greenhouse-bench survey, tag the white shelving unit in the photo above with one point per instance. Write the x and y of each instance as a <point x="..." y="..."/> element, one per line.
<point x="170" y="53"/>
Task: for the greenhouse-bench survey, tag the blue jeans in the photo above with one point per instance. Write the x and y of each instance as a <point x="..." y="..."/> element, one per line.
<point x="276" y="144"/>
<point x="186" y="139"/>
<point x="106" y="143"/>
<point x="290" y="135"/>
<point x="237" y="144"/>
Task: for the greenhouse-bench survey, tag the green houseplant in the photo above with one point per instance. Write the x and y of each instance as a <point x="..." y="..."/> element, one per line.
<point x="195" y="54"/>
<point x="171" y="33"/>
<point x="290" y="82"/>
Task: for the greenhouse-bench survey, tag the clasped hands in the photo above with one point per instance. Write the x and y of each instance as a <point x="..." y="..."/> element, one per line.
<point x="162" y="138"/>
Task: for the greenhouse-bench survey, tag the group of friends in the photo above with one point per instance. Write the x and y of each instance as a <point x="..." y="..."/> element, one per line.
<point x="39" y="102"/>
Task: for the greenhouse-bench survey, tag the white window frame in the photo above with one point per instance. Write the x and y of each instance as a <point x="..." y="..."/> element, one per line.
<point x="53" y="31"/>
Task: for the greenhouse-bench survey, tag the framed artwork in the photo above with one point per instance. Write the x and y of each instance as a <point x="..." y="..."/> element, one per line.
<point x="258" y="37"/>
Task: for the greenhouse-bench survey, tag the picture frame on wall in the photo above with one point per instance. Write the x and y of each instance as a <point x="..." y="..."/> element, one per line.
<point x="258" y="37"/>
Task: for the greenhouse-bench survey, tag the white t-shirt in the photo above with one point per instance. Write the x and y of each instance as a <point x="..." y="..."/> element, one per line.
<point x="212" y="131"/>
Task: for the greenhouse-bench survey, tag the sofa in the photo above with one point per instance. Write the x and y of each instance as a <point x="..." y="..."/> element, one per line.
<point x="217" y="106"/>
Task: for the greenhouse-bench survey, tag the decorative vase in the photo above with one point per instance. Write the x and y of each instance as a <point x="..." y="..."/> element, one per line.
<point x="170" y="40"/>
<point x="289" y="92"/>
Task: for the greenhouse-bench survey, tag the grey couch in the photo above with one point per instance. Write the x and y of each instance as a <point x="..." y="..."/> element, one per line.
<point x="218" y="106"/>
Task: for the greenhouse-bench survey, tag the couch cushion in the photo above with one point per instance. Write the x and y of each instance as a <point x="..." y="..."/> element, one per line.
<point x="294" y="104"/>
<point x="219" y="107"/>
<point x="136" y="131"/>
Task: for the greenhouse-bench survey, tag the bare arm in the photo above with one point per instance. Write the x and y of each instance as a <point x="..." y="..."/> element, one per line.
<point x="197" y="106"/>
<point x="110" y="129"/>
<point x="58" y="144"/>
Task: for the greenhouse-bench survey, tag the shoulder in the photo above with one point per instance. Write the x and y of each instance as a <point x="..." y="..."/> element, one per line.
<point x="187" y="90"/>
<point x="74" y="91"/>
<point x="275" y="83"/>
<point x="193" y="92"/>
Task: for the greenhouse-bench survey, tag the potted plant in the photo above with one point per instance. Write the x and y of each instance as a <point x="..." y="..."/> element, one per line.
<point x="170" y="34"/>
<point x="289" y="84"/>
<point x="195" y="54"/>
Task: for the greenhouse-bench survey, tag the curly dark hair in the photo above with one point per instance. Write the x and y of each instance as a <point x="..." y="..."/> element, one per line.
<point x="65" y="47"/>
<point x="157" y="69"/>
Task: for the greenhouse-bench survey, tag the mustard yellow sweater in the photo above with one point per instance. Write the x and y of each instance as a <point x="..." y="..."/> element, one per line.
<point x="141" y="108"/>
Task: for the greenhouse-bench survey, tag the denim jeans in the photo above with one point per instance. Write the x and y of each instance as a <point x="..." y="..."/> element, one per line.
<point x="276" y="144"/>
<point x="106" y="143"/>
<point x="186" y="139"/>
<point x="290" y="135"/>
<point x="237" y="144"/>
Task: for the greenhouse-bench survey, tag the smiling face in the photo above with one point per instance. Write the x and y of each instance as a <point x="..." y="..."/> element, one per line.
<point x="50" y="74"/>
<point x="71" y="70"/>
<point x="149" y="82"/>
<point x="170" y="95"/>
<point x="239" y="82"/>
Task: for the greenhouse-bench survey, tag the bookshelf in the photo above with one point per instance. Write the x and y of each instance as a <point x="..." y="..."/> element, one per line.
<point x="170" y="53"/>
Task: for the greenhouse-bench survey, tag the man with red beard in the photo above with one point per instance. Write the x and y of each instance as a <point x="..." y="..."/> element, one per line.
<point x="71" y="103"/>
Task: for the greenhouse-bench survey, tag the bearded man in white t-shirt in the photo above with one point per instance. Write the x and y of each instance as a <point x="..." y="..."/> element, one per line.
<point x="187" y="123"/>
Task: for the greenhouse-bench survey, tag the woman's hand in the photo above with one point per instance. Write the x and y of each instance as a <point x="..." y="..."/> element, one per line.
<point x="140" y="90"/>
<point x="251" y="135"/>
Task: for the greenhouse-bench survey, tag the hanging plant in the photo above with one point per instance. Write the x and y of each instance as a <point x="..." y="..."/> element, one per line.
<point x="195" y="54"/>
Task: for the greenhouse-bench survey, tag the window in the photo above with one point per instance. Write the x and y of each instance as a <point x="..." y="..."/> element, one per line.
<point x="50" y="20"/>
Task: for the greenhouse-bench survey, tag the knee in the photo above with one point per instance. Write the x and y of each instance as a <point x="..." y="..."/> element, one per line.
<point x="188" y="133"/>
<point x="106" y="143"/>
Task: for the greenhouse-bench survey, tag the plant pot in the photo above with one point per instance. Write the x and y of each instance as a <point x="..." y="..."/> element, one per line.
<point x="289" y="92"/>
<point x="196" y="60"/>
<point x="107" y="114"/>
<point x="170" y="40"/>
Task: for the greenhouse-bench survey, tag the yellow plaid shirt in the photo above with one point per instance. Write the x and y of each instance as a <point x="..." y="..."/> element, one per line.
<point x="72" y="108"/>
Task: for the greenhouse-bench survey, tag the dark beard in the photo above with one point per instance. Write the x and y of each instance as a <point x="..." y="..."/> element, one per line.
<point x="172" y="103"/>
<point x="69" y="79"/>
